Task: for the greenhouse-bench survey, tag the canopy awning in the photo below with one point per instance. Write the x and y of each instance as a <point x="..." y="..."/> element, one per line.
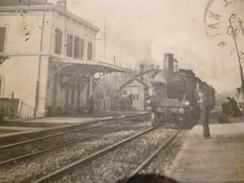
<point x="3" y="57"/>
<point x="89" y="66"/>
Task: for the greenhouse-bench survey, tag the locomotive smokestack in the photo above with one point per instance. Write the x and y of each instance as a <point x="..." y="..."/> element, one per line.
<point x="169" y="62"/>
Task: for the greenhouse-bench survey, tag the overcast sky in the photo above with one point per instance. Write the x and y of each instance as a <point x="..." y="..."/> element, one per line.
<point x="142" y="31"/>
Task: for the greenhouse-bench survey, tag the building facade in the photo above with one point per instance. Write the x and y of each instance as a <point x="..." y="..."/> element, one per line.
<point x="51" y="57"/>
<point x="136" y="91"/>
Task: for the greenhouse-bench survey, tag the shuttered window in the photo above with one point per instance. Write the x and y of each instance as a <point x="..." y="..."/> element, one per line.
<point x="89" y="51"/>
<point x="81" y="48"/>
<point x="69" y="45"/>
<point x="2" y="38"/>
<point x="77" y="47"/>
<point x="58" y="41"/>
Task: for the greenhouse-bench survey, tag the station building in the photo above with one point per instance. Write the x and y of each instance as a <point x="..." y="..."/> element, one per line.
<point x="51" y="63"/>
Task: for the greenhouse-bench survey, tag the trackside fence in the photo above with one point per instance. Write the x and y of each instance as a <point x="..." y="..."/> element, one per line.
<point x="27" y="111"/>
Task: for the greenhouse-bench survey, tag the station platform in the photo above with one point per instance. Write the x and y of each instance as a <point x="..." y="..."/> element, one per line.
<point x="11" y="127"/>
<point x="216" y="160"/>
<point x="64" y="120"/>
<point x="96" y="116"/>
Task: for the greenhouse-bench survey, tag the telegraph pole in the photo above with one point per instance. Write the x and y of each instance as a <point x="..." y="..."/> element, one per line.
<point x="105" y="40"/>
<point x="234" y="34"/>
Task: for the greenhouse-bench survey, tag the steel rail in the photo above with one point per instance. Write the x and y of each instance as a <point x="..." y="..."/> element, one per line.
<point x="56" y="147"/>
<point x="72" y="131"/>
<point x="59" y="146"/>
<point x="51" y="129"/>
<point x="51" y="136"/>
<point x="72" y="165"/>
<point x="71" y="126"/>
<point x="142" y="165"/>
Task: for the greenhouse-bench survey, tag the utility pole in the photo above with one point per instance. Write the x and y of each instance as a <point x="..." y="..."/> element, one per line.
<point x="234" y="33"/>
<point x="105" y="40"/>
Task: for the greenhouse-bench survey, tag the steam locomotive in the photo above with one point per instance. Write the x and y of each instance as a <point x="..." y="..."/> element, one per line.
<point x="174" y="96"/>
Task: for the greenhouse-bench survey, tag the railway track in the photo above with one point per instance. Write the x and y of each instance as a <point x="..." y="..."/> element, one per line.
<point x="26" y="156"/>
<point x="25" y="160"/>
<point x="89" y="158"/>
<point x="39" y="145"/>
<point x="24" y="149"/>
<point x="74" y="167"/>
<point x="30" y="135"/>
<point x="150" y="158"/>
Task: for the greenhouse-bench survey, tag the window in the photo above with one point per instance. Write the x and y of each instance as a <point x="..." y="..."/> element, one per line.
<point x="77" y="47"/>
<point x="69" y="45"/>
<point x="135" y="97"/>
<point x="81" y="48"/>
<point x="58" y="41"/>
<point x="89" y="51"/>
<point x="2" y="38"/>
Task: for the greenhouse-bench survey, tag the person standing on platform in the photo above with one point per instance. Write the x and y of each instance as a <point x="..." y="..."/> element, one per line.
<point x="203" y="104"/>
<point x="231" y="104"/>
<point x="236" y="110"/>
<point x="91" y="105"/>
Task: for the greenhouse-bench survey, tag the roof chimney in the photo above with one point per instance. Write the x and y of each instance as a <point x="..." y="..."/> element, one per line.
<point x="169" y="62"/>
<point x="62" y="4"/>
<point x="176" y="66"/>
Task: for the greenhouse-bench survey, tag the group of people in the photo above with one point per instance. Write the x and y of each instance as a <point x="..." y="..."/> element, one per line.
<point x="230" y="107"/>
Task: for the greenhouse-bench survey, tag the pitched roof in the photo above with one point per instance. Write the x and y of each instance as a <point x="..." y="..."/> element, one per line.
<point x="22" y="2"/>
<point x="150" y="71"/>
<point x="134" y="79"/>
<point x="163" y="75"/>
<point x="15" y="5"/>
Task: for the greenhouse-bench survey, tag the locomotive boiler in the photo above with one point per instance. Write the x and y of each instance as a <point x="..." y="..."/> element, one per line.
<point x="174" y="97"/>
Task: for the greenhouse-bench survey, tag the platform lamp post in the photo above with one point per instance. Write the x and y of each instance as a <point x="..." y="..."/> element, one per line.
<point x="234" y="32"/>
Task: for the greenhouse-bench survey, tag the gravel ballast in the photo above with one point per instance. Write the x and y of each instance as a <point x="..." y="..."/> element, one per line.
<point x="49" y="162"/>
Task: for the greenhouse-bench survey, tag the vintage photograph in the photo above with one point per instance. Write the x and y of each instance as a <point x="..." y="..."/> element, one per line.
<point x="121" y="91"/>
